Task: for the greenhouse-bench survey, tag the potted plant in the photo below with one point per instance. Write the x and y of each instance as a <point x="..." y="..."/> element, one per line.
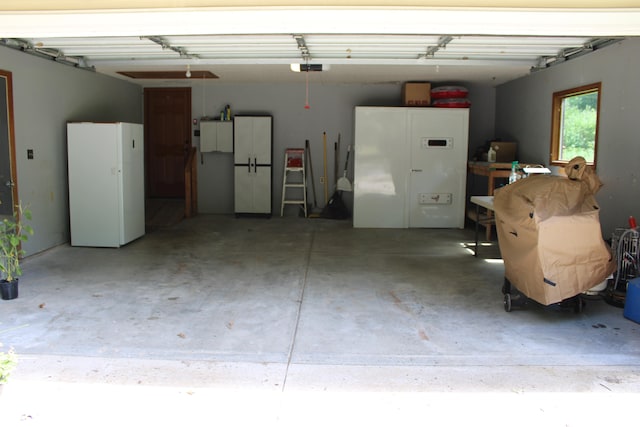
<point x="12" y="233"/>
<point x="8" y="362"/>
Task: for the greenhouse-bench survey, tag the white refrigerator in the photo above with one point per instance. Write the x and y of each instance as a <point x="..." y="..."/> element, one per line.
<point x="106" y="183"/>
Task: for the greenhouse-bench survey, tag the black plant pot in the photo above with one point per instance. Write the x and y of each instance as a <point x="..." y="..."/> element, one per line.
<point x="9" y="289"/>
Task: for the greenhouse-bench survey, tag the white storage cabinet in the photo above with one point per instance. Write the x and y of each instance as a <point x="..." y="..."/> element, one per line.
<point x="252" y="154"/>
<point x="216" y="136"/>
<point x="410" y="167"/>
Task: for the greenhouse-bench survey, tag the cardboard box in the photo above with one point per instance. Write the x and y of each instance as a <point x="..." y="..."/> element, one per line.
<point x="416" y="94"/>
<point x="550" y="237"/>
<point x="505" y="151"/>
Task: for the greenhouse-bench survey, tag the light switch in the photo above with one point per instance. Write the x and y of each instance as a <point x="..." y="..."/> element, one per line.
<point x="29" y="153"/>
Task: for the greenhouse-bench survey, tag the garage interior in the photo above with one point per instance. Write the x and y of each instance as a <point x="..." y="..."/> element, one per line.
<point x="287" y="320"/>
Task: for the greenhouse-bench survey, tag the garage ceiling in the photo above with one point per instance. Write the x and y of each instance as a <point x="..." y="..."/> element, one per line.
<point x="353" y="45"/>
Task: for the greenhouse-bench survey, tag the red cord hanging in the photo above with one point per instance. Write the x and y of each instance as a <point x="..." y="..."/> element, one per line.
<point x="306" y="99"/>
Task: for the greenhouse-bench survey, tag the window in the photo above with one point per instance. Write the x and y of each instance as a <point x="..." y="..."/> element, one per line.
<point x="574" y="126"/>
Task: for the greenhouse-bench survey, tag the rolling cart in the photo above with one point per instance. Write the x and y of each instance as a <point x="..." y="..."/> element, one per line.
<point x="513" y="298"/>
<point x="550" y="238"/>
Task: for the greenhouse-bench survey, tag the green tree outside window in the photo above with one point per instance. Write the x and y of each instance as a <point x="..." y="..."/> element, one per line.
<point x="575" y="124"/>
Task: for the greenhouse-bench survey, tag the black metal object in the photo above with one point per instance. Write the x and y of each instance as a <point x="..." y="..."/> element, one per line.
<point x="512" y="298"/>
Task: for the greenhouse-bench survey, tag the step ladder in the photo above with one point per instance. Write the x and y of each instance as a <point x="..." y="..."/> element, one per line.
<point x="294" y="165"/>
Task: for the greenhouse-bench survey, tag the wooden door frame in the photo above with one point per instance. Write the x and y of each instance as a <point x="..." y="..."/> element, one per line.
<point x="12" y="135"/>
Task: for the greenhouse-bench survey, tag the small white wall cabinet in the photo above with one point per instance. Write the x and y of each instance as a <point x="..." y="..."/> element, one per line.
<point x="216" y="136"/>
<point x="410" y="167"/>
<point x="106" y="183"/>
<point x="252" y="154"/>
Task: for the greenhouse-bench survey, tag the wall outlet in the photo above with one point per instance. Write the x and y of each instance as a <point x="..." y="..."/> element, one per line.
<point x="322" y="180"/>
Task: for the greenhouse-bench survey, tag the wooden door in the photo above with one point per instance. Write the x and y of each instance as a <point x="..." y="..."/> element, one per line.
<point x="8" y="176"/>
<point x="167" y="135"/>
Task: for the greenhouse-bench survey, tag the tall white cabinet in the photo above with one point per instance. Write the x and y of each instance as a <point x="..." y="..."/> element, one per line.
<point x="410" y="167"/>
<point x="106" y="183"/>
<point x="252" y="154"/>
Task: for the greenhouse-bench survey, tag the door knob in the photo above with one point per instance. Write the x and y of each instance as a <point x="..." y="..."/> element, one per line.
<point x="9" y="184"/>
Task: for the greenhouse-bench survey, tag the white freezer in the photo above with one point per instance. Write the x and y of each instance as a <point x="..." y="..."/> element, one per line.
<point x="106" y="183"/>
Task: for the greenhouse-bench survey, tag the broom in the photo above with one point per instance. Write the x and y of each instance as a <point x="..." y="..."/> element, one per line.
<point x="343" y="183"/>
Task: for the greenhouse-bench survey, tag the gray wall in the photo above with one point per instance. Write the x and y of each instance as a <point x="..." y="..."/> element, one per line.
<point x="523" y="113"/>
<point x="46" y="96"/>
<point x="331" y="111"/>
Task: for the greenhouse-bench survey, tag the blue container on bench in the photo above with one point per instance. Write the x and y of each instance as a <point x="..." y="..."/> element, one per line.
<point x="632" y="300"/>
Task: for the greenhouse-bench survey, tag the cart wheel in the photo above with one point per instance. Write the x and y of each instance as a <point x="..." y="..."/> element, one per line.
<point x="579" y="305"/>
<point x="506" y="287"/>
<point x="507" y="302"/>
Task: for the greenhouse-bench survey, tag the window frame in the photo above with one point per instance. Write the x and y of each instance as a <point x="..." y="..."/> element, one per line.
<point x="556" y="121"/>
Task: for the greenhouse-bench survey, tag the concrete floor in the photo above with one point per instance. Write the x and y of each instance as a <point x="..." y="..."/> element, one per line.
<point x="287" y="321"/>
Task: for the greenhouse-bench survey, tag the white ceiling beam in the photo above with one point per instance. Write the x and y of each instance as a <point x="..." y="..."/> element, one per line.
<point x="162" y="4"/>
<point x="541" y="22"/>
<point x="329" y="61"/>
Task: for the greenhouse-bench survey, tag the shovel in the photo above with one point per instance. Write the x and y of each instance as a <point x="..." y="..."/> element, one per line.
<point x="343" y="183"/>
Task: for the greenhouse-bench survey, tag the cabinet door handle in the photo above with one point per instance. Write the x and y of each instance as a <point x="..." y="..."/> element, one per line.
<point x="416" y="170"/>
<point x="249" y="164"/>
<point x="255" y="165"/>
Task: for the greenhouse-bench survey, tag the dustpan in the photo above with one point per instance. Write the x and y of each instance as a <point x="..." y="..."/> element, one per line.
<point x="343" y="183"/>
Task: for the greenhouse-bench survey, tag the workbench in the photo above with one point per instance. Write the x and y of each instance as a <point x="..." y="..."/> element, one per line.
<point x="485" y="202"/>
<point x="492" y="171"/>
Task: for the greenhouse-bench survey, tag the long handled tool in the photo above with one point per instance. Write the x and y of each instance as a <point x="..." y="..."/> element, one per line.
<point x="313" y="183"/>
<point x="335" y="207"/>
<point x="326" y="184"/>
<point x="343" y="183"/>
<point x="336" y="162"/>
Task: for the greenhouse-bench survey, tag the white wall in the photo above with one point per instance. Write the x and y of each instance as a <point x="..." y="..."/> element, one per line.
<point x="523" y="112"/>
<point x="47" y="95"/>
<point x="332" y="111"/>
